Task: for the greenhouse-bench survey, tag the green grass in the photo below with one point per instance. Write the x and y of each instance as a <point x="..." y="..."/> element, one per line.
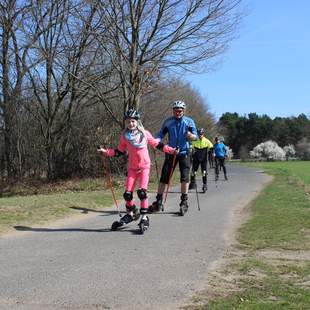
<point x="279" y="222"/>
<point x="37" y="209"/>
<point x="60" y="199"/>
<point x="281" y="214"/>
<point x="270" y="294"/>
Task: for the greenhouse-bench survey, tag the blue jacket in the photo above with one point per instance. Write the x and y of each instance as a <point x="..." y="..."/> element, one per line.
<point x="220" y="149"/>
<point x="177" y="130"/>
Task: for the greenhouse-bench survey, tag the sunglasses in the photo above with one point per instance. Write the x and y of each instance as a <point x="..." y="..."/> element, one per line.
<point x="178" y="111"/>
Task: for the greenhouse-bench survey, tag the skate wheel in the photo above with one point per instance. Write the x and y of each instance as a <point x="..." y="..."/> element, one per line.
<point x="142" y="228"/>
<point x="182" y="211"/>
<point x="144" y="225"/>
<point x="115" y="226"/>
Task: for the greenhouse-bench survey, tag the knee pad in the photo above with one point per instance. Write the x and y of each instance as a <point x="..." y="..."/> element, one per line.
<point x="128" y="196"/>
<point x="204" y="173"/>
<point x="142" y="193"/>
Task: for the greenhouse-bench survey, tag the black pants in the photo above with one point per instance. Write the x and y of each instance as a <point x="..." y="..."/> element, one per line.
<point x="184" y="166"/>
<point x="202" y="164"/>
<point x="220" y="162"/>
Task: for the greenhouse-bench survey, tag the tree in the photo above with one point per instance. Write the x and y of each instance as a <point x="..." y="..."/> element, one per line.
<point x="15" y="46"/>
<point x="268" y="150"/>
<point x="289" y="151"/>
<point x="147" y="38"/>
<point x="303" y="149"/>
<point x="62" y="75"/>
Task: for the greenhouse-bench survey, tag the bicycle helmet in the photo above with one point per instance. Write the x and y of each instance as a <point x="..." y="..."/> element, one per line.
<point x="178" y="104"/>
<point x="131" y="113"/>
<point x="201" y="131"/>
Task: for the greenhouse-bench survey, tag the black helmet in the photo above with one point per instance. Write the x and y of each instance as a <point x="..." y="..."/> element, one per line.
<point x="131" y="113"/>
<point x="201" y="131"/>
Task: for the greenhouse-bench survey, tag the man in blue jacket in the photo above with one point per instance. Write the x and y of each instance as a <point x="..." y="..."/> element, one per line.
<point x="180" y="129"/>
<point x="219" y="155"/>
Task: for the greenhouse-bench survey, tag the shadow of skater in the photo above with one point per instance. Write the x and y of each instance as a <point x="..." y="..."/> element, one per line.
<point x="103" y="212"/>
<point x="42" y="229"/>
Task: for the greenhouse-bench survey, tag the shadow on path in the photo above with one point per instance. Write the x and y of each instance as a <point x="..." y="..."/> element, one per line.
<point x="103" y="212"/>
<point x="42" y="229"/>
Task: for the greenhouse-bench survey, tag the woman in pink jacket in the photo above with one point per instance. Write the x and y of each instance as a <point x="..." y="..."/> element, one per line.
<point x="135" y="140"/>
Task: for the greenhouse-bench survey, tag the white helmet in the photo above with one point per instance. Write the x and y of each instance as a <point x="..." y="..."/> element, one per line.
<point x="178" y="104"/>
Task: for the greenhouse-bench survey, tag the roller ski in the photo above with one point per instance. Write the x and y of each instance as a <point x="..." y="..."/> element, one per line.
<point x="144" y="224"/>
<point x="157" y="205"/>
<point x="183" y="205"/>
<point x="131" y="215"/>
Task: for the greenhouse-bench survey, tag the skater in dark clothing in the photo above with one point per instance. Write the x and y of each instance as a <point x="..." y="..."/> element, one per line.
<point x="211" y="157"/>
<point x="220" y="155"/>
<point x="200" y="155"/>
<point x="180" y="129"/>
<point x="135" y="139"/>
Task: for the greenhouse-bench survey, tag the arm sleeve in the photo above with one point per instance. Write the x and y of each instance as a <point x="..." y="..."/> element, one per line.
<point x="209" y="144"/>
<point x="193" y="128"/>
<point x="121" y="148"/>
<point x="163" y="131"/>
<point x="153" y="142"/>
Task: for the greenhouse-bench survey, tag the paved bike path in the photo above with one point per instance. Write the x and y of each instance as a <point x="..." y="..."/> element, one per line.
<point x="86" y="266"/>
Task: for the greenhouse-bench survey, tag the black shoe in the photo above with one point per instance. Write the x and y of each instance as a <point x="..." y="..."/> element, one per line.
<point x="183" y="207"/>
<point x="126" y="219"/>
<point x="204" y="188"/>
<point x="192" y="185"/>
<point x="133" y="211"/>
<point x="226" y="177"/>
<point x="155" y="207"/>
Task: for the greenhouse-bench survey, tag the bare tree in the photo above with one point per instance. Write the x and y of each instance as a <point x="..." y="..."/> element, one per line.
<point x="145" y="38"/>
<point x="65" y="71"/>
<point x="15" y="46"/>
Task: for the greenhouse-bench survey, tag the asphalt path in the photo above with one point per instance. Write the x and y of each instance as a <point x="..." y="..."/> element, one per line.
<point x="84" y="265"/>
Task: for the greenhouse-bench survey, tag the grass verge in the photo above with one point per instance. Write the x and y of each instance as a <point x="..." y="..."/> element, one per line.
<point x="58" y="200"/>
<point x="269" y="266"/>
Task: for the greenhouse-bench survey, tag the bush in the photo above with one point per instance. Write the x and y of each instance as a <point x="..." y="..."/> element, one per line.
<point x="268" y="150"/>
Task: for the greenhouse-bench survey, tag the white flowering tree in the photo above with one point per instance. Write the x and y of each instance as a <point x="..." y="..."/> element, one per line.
<point x="268" y="150"/>
<point x="289" y="151"/>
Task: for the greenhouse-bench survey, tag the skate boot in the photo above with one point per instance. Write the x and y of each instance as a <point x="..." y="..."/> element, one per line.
<point x="226" y="177"/>
<point x="157" y="205"/>
<point x="204" y="187"/>
<point x="131" y="215"/>
<point x="144" y="222"/>
<point x="192" y="184"/>
<point x="134" y="212"/>
<point x="183" y="204"/>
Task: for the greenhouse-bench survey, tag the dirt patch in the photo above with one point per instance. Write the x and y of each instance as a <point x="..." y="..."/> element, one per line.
<point x="280" y="254"/>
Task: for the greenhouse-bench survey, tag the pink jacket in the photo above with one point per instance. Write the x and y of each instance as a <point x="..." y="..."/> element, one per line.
<point x="138" y="157"/>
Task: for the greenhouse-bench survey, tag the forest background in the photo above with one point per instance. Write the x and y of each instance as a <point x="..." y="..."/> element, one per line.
<point x="69" y="69"/>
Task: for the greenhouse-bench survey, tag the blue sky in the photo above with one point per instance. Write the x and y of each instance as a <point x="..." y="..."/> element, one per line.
<point x="267" y="69"/>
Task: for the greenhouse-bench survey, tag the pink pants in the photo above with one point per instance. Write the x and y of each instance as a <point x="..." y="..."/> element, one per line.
<point x="132" y="176"/>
